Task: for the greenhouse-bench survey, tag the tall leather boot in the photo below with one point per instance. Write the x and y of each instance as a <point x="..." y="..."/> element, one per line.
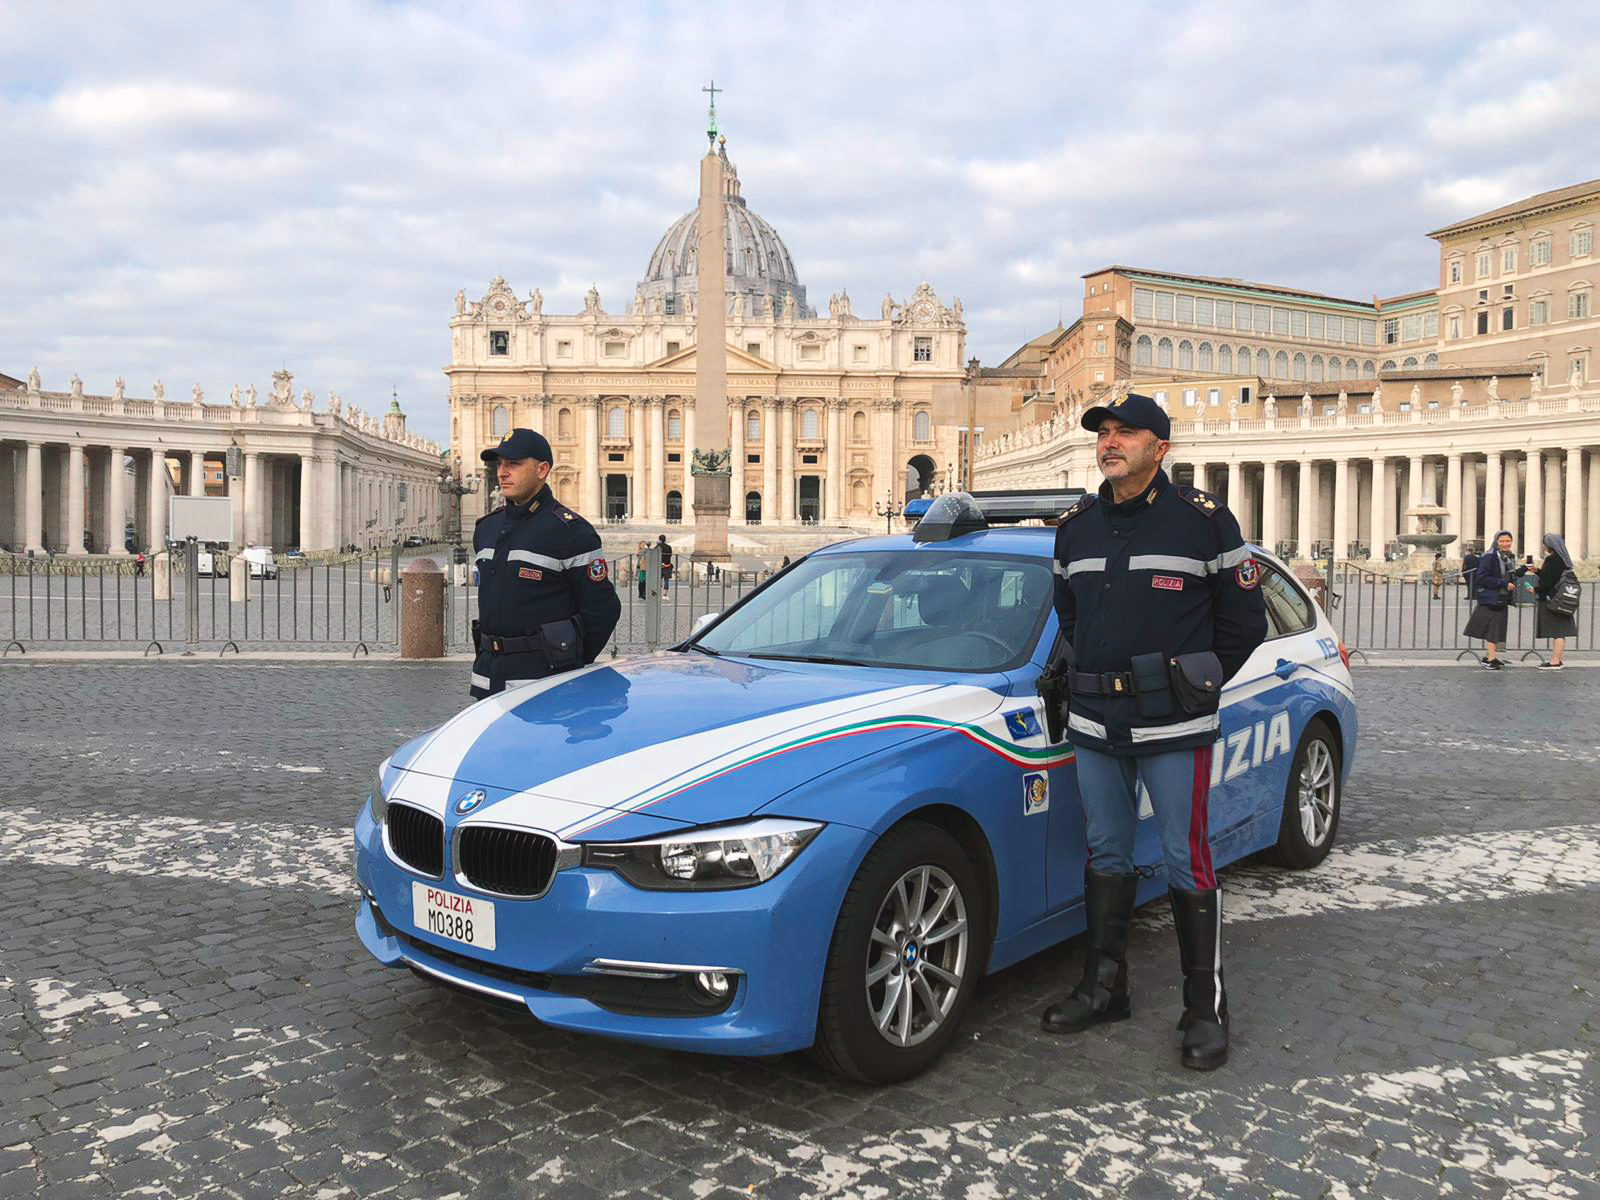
<point x="1102" y="993"/>
<point x="1197" y="915"/>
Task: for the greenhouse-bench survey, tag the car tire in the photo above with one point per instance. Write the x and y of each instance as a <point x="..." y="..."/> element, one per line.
<point x="873" y="937"/>
<point x="1311" y="800"/>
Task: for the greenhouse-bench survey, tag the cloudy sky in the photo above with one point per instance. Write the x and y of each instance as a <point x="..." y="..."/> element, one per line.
<point x="207" y="192"/>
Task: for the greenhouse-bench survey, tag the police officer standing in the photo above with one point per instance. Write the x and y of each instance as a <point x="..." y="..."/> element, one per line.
<point x="545" y="599"/>
<point x="1160" y="600"/>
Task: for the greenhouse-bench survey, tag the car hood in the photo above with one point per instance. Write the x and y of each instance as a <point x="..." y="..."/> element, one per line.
<point x="690" y="738"/>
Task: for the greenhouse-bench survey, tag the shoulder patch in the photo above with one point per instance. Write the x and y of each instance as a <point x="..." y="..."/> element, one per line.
<point x="1204" y="501"/>
<point x="1083" y="505"/>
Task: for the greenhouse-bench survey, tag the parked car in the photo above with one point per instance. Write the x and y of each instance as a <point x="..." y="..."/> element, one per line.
<point x="819" y="820"/>
<point x="260" y="561"/>
<point x="414" y="540"/>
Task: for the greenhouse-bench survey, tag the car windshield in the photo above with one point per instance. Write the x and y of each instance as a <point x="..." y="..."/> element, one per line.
<point x="923" y="608"/>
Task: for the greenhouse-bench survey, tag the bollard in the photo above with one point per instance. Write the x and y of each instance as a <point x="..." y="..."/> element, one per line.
<point x="422" y="610"/>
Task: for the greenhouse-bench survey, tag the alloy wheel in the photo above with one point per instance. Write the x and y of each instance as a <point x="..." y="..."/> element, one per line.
<point x="917" y="957"/>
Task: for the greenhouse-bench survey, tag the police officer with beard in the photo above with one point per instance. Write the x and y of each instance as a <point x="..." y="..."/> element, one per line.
<point x="545" y="599"/>
<point x="1159" y="599"/>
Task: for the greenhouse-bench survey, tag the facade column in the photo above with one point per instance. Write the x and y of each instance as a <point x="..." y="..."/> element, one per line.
<point x="197" y="473"/>
<point x="833" y="502"/>
<point x="1341" y="508"/>
<point x="636" y="411"/>
<point x="1305" y="509"/>
<point x="33" y="499"/>
<point x="1511" y="497"/>
<point x="253" y="499"/>
<point x="786" y="478"/>
<point x="1554" y="518"/>
<point x="1469" y="503"/>
<point x="160" y="489"/>
<point x="688" y="459"/>
<point x="308" y="502"/>
<point x="656" y="485"/>
<point x="590" y="492"/>
<point x="1236" y="494"/>
<point x="1382" y="505"/>
<point x="769" y="459"/>
<point x="1269" y="506"/>
<point x="1492" y="496"/>
<point x="75" y="485"/>
<point x="1592" y="534"/>
<point x="1414" y="470"/>
<point x="1572" y="526"/>
<point x="1533" y="505"/>
<point x="117" y="504"/>
<point x="736" y="464"/>
<point x="1452" y="496"/>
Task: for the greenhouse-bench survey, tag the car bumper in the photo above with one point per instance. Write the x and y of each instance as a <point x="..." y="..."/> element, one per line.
<point x="772" y="939"/>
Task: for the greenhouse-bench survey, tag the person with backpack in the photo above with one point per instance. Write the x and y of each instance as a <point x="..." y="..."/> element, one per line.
<point x="1493" y="584"/>
<point x="1558" y="591"/>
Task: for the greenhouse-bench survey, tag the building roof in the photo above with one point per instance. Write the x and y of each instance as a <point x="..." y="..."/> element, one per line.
<point x="7" y="382"/>
<point x="1409" y="300"/>
<point x="1573" y="193"/>
<point x="1240" y="284"/>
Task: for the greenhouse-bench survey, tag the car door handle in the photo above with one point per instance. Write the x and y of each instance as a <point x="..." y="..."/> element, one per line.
<point x="1285" y="668"/>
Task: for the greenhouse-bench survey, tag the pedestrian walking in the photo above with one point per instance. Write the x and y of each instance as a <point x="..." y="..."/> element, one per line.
<point x="1469" y="566"/>
<point x="1159" y="600"/>
<point x="1558" y="591"/>
<point x="138" y="563"/>
<point x="1493" y="583"/>
<point x="1438" y="574"/>
<point x="666" y="560"/>
<point x="644" y="553"/>
<point x="545" y="599"/>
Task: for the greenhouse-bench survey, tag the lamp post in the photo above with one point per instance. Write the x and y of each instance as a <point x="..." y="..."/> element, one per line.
<point x="451" y="484"/>
<point x="888" y="509"/>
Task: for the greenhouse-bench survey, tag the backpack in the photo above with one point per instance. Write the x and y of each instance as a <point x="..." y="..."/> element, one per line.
<point x="1565" y="595"/>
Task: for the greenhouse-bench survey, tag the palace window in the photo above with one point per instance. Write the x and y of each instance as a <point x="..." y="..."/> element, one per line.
<point x="752" y="426"/>
<point x="811" y="352"/>
<point x="1214" y="397"/>
<point x="1508" y="318"/>
<point x="564" y="425"/>
<point x="1225" y="360"/>
<point x="500" y="422"/>
<point x="1300" y="366"/>
<point x="1391" y="330"/>
<point x="1430" y="325"/>
<point x="1297" y="324"/>
<point x="499" y="342"/>
<point x="858" y="427"/>
<point x="1224" y="314"/>
<point x="1539" y="312"/>
<point x="1335" y="370"/>
<point x="1244" y="395"/>
<point x="616" y="349"/>
<point x="1186" y="355"/>
<point x="1483" y="266"/>
<point x="858" y="355"/>
<point x="1581" y="243"/>
<point x="1241" y="317"/>
<point x="674" y="347"/>
<point x="1263" y="363"/>
<point x="1388" y="365"/>
<point x="1508" y="260"/>
<point x="1263" y="316"/>
<point x="1280" y="365"/>
<point x="1144" y="303"/>
<point x="1164" y="352"/>
<point x="1368" y="369"/>
<point x="674" y="426"/>
<point x="1142" y="351"/>
<point x="1186" y="310"/>
<point x="1160" y="398"/>
<point x="1455" y="270"/>
<point x="1483" y="323"/>
<point x="1431" y="361"/>
<point x="1204" y="311"/>
<point x="563" y="349"/>
<point x="1205" y="356"/>
<point x="1453" y="329"/>
<point x="1369" y="333"/>
<point x="669" y="305"/>
<point x="1316" y="368"/>
<point x="808" y="425"/>
<point x="1577" y="369"/>
<point x="1577" y="305"/>
<point x="1164" y="306"/>
<point x="1099" y="345"/>
<point x="1280" y="322"/>
<point x="616" y="422"/>
<point x="1319" y="326"/>
<point x="1189" y="395"/>
<point x="753" y="349"/>
<point x="1410" y="363"/>
<point x="1539" y="253"/>
<point x="922" y="350"/>
<point x="921" y="427"/>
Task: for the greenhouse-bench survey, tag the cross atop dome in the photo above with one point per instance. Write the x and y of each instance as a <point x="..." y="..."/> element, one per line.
<point x="711" y="118"/>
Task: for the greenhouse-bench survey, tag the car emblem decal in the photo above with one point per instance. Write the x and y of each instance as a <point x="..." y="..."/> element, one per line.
<point x="470" y="801"/>
<point x="1022" y="723"/>
<point x="1035" y="793"/>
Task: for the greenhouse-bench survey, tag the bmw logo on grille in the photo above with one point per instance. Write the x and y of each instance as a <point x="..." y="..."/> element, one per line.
<point x="469" y="802"/>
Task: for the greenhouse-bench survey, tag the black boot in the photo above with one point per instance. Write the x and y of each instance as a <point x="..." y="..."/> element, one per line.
<point x="1102" y="993"/>
<point x="1198" y="918"/>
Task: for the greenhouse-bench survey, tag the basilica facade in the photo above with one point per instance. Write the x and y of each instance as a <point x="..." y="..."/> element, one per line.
<point x="830" y="415"/>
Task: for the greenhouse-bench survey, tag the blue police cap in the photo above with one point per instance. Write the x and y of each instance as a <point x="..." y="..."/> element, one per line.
<point x="520" y="443"/>
<point x="1139" y="412"/>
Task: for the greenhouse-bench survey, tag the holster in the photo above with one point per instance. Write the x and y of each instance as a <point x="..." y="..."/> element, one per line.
<point x="1053" y="689"/>
<point x="477" y="638"/>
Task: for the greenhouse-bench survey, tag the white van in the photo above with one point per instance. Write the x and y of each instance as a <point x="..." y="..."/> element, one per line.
<point x="261" y="563"/>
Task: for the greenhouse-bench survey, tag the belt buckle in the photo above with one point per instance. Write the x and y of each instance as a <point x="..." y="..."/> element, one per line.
<point x="1116" y="684"/>
<point x="497" y="645"/>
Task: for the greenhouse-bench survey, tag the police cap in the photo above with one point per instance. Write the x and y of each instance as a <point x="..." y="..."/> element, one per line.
<point x="1134" y="410"/>
<point x="520" y="443"/>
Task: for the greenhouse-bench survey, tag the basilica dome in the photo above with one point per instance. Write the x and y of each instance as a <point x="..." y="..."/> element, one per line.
<point x="758" y="262"/>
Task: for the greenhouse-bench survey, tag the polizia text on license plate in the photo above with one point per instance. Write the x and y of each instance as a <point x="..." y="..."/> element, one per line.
<point x="464" y="919"/>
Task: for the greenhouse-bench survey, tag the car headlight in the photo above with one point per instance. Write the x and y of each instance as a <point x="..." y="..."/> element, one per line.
<point x="376" y="798"/>
<point x="718" y="857"/>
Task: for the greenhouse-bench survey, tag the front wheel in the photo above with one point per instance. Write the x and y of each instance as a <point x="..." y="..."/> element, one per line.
<point x="909" y="947"/>
<point x="1311" y="800"/>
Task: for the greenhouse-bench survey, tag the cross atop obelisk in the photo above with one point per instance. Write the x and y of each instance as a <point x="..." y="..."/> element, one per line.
<point x="711" y="459"/>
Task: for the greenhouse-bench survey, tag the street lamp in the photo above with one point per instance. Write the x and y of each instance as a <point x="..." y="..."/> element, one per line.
<point x="888" y="510"/>
<point x="451" y="484"/>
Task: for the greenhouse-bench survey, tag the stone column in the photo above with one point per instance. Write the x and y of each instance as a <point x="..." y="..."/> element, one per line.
<point x="736" y="487"/>
<point x="769" y="459"/>
<point x="33" y="499"/>
<point x="833" y="501"/>
<point x="1382" y="505"/>
<point x="636" y="409"/>
<point x="1591" y="539"/>
<point x="116" y="504"/>
<point x="254" y="498"/>
<point x="160" y="489"/>
<point x="1511" y="498"/>
<point x="1492" y="498"/>
<point x="325" y="533"/>
<point x="786" y="479"/>
<point x="657" y="486"/>
<point x="590" y="492"/>
<point x="712" y="440"/>
<point x="1269" y="506"/>
<point x="1452" y="496"/>
<point x="1533" y="505"/>
<point x="1572" y="525"/>
<point x="197" y="473"/>
<point x="1414" y="470"/>
<point x="1554" y="518"/>
<point x="308" y="502"/>
<point x="1305" y="509"/>
<point x="75" y="485"/>
<point x="1469" y="503"/>
<point x="1236" y="494"/>
<point x="1341" y="508"/>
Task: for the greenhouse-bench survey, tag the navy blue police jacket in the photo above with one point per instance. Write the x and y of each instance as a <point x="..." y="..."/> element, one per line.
<point x="1167" y="572"/>
<point x="538" y="563"/>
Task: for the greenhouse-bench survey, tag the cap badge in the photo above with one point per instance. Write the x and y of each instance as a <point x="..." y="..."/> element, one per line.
<point x="506" y="437"/>
<point x="1119" y="402"/>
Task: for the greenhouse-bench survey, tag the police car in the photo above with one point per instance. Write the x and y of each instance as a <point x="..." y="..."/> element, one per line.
<point x="819" y="821"/>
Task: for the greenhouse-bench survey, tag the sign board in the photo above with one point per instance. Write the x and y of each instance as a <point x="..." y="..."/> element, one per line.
<point x="235" y="463"/>
<point x="206" y="518"/>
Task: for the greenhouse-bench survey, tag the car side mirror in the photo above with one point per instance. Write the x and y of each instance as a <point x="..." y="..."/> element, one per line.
<point x="702" y="621"/>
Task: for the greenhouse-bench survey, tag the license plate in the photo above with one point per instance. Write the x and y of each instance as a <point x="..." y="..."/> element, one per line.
<point x="464" y="919"/>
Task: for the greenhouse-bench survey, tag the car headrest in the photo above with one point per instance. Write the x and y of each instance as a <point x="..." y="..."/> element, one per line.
<point x="942" y="600"/>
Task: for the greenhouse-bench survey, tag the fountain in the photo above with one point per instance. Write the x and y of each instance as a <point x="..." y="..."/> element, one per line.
<point x="1429" y="534"/>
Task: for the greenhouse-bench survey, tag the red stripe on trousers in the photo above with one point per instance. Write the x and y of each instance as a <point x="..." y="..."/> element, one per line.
<point x="1200" y="821"/>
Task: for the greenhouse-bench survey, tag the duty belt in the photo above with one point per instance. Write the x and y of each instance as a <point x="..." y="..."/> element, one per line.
<point x="1110" y="683"/>
<point x="511" y="645"/>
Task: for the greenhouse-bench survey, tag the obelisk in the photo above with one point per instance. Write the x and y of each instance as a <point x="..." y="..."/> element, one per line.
<point x="712" y="459"/>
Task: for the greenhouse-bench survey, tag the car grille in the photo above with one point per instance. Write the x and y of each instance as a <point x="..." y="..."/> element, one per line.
<point x="509" y="862"/>
<point x="416" y="838"/>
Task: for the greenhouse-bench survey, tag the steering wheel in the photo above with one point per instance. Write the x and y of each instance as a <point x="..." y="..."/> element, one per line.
<point x="1004" y="648"/>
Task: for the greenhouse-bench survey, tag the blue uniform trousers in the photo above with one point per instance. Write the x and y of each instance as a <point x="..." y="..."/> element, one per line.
<point x="1178" y="783"/>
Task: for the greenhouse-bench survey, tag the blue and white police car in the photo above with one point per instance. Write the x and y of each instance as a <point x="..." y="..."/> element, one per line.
<point x="822" y="818"/>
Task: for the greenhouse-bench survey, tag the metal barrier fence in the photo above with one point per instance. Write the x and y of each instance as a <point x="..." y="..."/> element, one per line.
<point x="187" y="598"/>
<point x="1374" y="612"/>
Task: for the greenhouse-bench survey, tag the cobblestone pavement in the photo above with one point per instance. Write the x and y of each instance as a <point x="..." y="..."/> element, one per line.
<point x="185" y="1010"/>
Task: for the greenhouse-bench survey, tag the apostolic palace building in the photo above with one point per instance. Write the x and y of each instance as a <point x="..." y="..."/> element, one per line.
<point x="1327" y="422"/>
<point x="829" y="413"/>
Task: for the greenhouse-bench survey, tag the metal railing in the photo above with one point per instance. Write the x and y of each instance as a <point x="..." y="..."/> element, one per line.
<point x="660" y="608"/>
